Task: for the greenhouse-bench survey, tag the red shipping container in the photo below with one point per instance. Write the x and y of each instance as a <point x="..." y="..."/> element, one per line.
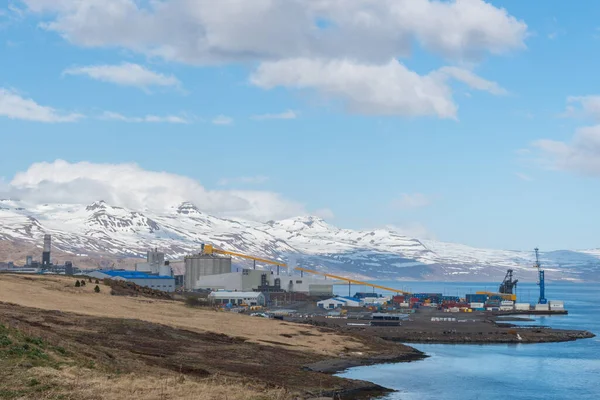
<point x="398" y="299"/>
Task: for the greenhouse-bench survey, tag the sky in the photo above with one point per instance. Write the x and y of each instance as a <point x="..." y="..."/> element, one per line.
<point x="464" y="121"/>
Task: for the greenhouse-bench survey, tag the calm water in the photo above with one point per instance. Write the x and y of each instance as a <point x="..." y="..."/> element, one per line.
<point x="515" y="372"/>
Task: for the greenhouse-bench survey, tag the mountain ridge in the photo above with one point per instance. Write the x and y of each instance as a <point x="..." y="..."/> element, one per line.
<point x="111" y="232"/>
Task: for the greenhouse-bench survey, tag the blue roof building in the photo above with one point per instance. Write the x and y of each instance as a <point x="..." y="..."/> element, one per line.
<point x="158" y="282"/>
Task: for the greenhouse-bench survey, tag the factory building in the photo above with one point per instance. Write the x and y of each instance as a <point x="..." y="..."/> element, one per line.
<point x="69" y="268"/>
<point x="155" y="264"/>
<point x="158" y="282"/>
<point x="238" y="298"/>
<point x="265" y="281"/>
<point x="202" y="265"/>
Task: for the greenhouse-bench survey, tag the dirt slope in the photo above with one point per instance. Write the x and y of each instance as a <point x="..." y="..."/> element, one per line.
<point x="59" y="293"/>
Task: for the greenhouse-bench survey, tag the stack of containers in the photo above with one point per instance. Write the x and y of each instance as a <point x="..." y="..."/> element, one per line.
<point x="493" y="303"/>
<point x="507" y="305"/>
<point x="455" y="299"/>
<point x="557" y="305"/>
<point x="477" y="298"/>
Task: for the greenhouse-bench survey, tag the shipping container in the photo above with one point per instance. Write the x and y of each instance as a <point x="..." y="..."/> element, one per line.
<point x="476" y="305"/>
<point x="557" y="304"/>
<point x="398" y="299"/>
<point x="522" y="306"/>
<point x="507" y="308"/>
<point x="450" y="298"/>
<point x="507" y="303"/>
<point x="476" y="298"/>
<point x="542" y="307"/>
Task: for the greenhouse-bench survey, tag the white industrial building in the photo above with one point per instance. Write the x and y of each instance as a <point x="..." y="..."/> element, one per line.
<point x="336" y="302"/>
<point x="158" y="282"/>
<point x="331" y="304"/>
<point x="261" y="280"/>
<point x="155" y="264"/>
<point x="237" y="298"/>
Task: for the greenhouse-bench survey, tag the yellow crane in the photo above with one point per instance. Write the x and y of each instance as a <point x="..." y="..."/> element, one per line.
<point x="209" y="249"/>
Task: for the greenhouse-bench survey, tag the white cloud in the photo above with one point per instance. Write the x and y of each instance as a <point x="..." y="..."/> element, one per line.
<point x="246" y="180"/>
<point x="409" y="201"/>
<point x="289" y="114"/>
<point x="361" y="37"/>
<point x="414" y="230"/>
<point x="222" y="120"/>
<point x="207" y="31"/>
<point x="523" y="176"/>
<point x="469" y="78"/>
<point x="324" y="213"/>
<point x="581" y="155"/>
<point x="583" y="106"/>
<point x="126" y="74"/>
<point x="130" y="186"/>
<point x="173" y="119"/>
<point x="13" y="106"/>
<point x="389" y="89"/>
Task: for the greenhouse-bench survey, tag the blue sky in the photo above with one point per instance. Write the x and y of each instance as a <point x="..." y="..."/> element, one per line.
<point x="489" y="141"/>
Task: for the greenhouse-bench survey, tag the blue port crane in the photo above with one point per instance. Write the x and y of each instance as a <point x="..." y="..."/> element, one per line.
<point x="541" y="281"/>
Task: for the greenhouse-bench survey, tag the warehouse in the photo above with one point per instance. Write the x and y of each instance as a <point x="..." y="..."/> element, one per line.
<point x="238" y="298"/>
<point x="340" y="302"/>
<point x="330" y="304"/>
<point x="158" y="282"/>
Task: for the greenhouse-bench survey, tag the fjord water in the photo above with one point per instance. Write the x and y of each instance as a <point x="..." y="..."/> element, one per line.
<point x="549" y="371"/>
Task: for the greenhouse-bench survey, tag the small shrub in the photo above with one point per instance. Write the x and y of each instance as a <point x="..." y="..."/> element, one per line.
<point x="61" y="350"/>
<point x="5" y="341"/>
<point x="97" y="281"/>
<point x="77" y="284"/>
<point x="82" y="282"/>
<point x="193" y="302"/>
<point x="34" y="340"/>
<point x="97" y="289"/>
<point x="34" y="382"/>
<point x="90" y="280"/>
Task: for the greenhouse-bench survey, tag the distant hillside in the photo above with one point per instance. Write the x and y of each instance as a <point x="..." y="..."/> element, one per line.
<point x="100" y="234"/>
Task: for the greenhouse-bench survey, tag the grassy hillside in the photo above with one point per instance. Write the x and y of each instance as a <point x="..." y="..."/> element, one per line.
<point x="58" y="341"/>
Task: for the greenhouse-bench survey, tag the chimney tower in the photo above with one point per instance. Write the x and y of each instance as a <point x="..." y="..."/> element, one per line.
<point x="46" y="253"/>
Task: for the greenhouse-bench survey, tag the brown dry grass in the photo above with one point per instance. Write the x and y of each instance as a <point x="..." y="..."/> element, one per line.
<point x="58" y="293"/>
<point x="82" y="383"/>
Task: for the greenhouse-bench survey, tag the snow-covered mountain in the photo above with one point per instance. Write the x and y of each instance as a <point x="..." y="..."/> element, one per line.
<point x="113" y="233"/>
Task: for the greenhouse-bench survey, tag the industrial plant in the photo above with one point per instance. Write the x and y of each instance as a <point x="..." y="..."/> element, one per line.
<point x="212" y="272"/>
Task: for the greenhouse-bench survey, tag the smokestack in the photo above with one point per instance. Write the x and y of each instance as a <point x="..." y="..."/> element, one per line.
<point x="46" y="252"/>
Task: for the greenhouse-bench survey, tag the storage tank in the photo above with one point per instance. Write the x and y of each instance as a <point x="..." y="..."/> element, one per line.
<point x="204" y="264"/>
